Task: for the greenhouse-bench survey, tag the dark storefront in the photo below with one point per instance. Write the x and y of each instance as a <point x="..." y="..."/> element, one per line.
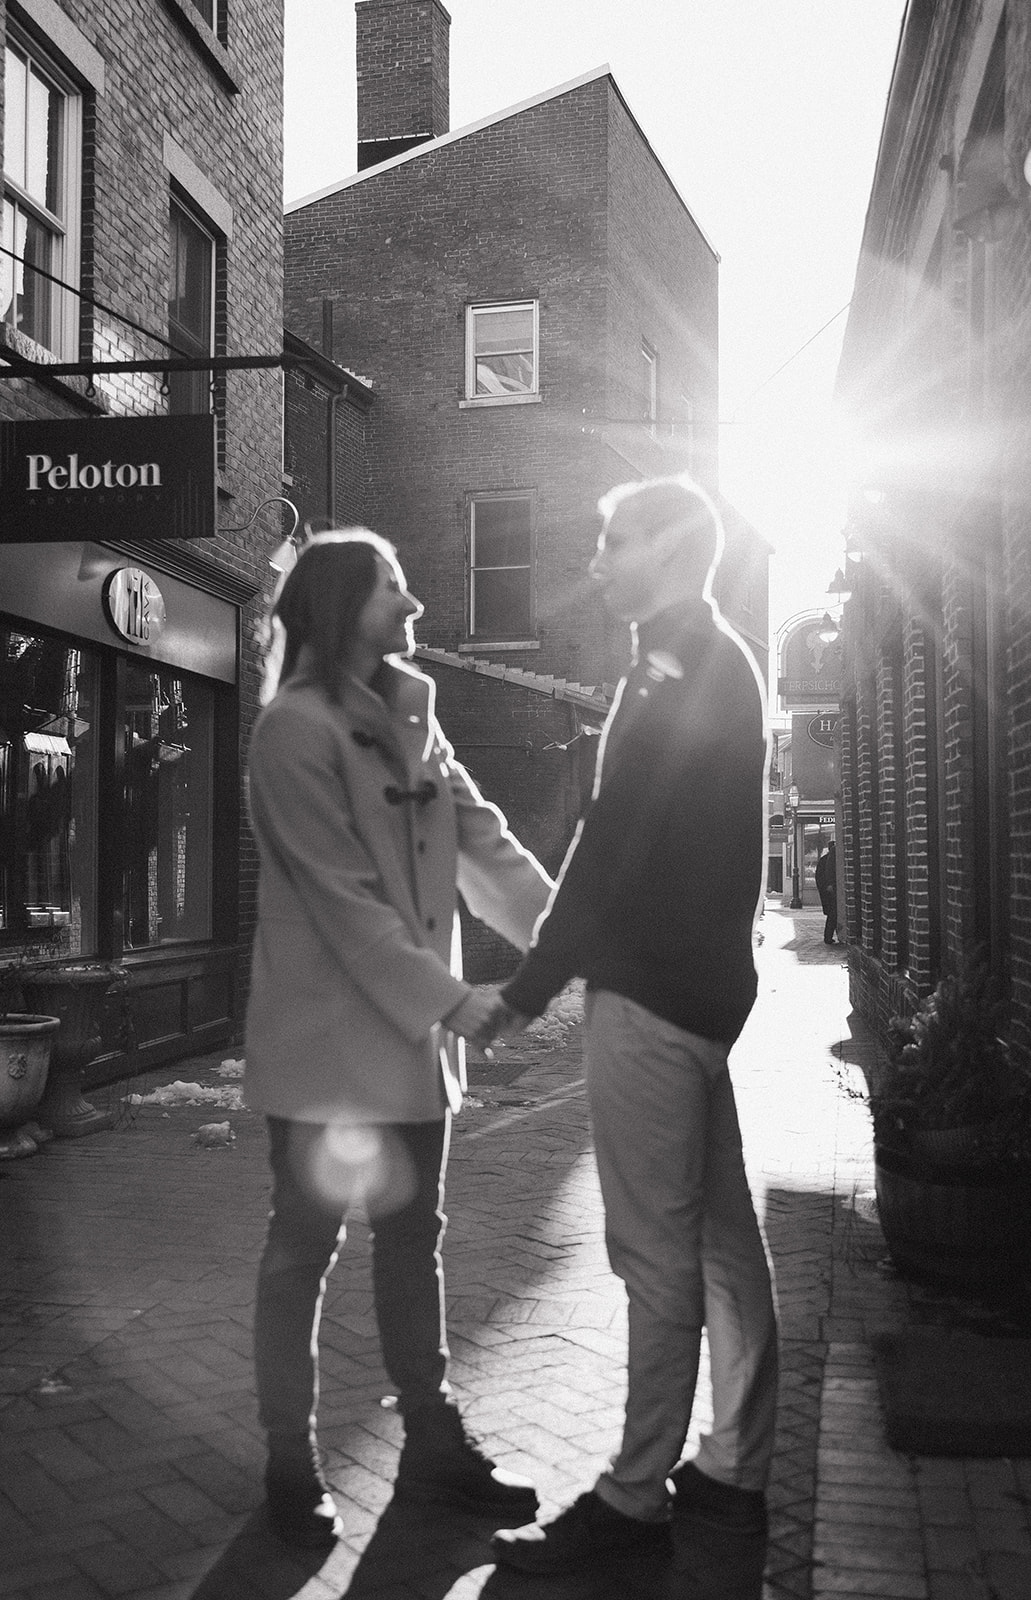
<point x="119" y="809"/>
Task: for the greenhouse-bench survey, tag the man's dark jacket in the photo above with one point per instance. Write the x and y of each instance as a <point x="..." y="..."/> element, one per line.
<point x="659" y="891"/>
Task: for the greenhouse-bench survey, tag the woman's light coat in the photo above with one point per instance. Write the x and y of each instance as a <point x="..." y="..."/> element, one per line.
<point x="357" y="954"/>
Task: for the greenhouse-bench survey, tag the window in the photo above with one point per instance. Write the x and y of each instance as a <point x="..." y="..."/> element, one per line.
<point x="169" y="723"/>
<point x="207" y="10"/>
<point x="190" y="307"/>
<point x="501" y="567"/>
<point x="48" y="789"/>
<point x="501" y="353"/>
<point x="42" y="141"/>
<point x="649" y="384"/>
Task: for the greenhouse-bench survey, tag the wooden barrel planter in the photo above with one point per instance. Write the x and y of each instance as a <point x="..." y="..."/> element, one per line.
<point x="967" y="1227"/>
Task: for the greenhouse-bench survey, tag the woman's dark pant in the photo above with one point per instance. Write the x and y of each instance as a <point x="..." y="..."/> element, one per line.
<point x="306" y="1230"/>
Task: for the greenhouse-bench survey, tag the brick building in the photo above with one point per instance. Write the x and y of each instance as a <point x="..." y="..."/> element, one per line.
<point x="536" y="311"/>
<point x="142" y="223"/>
<point x="936" y="746"/>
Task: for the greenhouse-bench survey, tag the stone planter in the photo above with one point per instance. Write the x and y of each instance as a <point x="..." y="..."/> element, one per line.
<point x="74" y="995"/>
<point x="25" y="1045"/>
<point x="962" y="1225"/>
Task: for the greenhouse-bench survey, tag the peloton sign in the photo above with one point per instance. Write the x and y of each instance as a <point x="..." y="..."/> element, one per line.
<point x="107" y="478"/>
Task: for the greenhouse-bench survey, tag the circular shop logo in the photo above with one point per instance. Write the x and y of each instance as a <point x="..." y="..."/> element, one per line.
<point x="135" y="605"/>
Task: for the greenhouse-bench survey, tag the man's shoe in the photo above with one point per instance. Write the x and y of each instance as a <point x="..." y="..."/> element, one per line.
<point x="442" y="1464"/>
<point x="719" y="1537"/>
<point x="587" y="1533"/>
<point x="300" y="1507"/>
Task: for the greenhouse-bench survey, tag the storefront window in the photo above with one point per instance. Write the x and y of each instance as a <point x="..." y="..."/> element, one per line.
<point x="48" y="786"/>
<point x="168" y="789"/>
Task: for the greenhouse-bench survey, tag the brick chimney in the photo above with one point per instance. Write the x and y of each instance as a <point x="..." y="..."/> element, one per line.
<point x="403" y="48"/>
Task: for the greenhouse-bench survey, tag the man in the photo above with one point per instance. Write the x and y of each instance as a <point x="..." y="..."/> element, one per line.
<point x="656" y="908"/>
<point x="827" y="889"/>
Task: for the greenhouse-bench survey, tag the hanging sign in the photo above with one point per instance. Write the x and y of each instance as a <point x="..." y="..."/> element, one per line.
<point x="811" y="669"/>
<point x="823" y="728"/>
<point x="107" y="478"/>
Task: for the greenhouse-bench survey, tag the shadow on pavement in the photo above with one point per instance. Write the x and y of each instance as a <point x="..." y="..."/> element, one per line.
<point x="639" y="1578"/>
<point x="415" y="1550"/>
<point x="806" y="943"/>
<point x="257" y="1563"/>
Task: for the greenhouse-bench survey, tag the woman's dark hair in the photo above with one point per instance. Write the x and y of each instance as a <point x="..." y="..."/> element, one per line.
<point x="323" y="596"/>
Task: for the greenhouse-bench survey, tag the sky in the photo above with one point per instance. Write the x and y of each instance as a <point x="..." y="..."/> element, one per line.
<point x="766" y="115"/>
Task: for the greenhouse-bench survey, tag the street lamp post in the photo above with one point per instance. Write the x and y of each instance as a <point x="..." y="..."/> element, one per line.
<point x="792" y="798"/>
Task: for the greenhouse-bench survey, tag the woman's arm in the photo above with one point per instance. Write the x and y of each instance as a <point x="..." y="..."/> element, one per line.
<point x="500" y="881"/>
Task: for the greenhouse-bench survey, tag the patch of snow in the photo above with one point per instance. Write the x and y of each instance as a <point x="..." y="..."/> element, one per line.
<point x="212" y="1134"/>
<point x="190" y="1094"/>
<point x="230" y="1068"/>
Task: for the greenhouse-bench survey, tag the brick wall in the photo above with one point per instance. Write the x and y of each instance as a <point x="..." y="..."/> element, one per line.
<point x="219" y="101"/>
<point x="938" y="356"/>
<point x="313" y="414"/>
<point x="563" y="203"/>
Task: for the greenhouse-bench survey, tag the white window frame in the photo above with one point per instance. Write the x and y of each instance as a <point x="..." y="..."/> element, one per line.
<point x="64" y="229"/>
<point x="530" y="396"/>
<point x="203" y="226"/>
<point x="527" y="566"/>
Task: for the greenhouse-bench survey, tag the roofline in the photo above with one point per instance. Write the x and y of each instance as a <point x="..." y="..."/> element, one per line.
<point x="338" y="377"/>
<point x="446" y="138"/>
<point x="910" y="51"/>
<point x="604" y="71"/>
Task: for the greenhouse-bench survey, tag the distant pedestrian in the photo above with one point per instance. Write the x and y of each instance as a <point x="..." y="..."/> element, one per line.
<point x="656" y="908"/>
<point x="827" y="889"/>
<point x="365" y="824"/>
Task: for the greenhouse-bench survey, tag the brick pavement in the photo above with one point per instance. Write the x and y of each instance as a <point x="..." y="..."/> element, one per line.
<point x="130" y="1459"/>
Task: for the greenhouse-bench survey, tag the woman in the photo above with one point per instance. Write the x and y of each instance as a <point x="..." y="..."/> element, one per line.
<point x="365" y="825"/>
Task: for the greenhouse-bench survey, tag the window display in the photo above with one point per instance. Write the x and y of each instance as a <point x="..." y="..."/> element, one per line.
<point x="168" y="739"/>
<point x="48" y="784"/>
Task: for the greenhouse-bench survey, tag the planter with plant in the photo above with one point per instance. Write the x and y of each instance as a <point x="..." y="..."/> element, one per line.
<point x="951" y="1108"/>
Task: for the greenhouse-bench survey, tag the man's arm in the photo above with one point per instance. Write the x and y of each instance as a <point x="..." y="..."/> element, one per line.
<point x="587" y="893"/>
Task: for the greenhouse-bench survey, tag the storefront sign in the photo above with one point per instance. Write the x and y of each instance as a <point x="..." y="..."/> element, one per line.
<point x="823" y="728"/>
<point x="107" y="478"/>
<point x="135" y="605"/>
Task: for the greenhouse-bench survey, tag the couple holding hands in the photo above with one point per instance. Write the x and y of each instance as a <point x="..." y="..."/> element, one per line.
<point x="366" y="829"/>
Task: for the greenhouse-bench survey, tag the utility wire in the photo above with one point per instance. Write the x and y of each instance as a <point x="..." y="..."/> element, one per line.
<point x="859" y="290"/>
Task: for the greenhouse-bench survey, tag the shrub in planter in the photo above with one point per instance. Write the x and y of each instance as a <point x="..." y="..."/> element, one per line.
<point x="951" y="1085"/>
<point x="952" y="1129"/>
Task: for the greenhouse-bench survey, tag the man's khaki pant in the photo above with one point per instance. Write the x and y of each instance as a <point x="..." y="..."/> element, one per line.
<point x="682" y="1234"/>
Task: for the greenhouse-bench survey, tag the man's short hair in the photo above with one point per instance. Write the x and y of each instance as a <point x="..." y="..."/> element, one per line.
<point x="656" y="505"/>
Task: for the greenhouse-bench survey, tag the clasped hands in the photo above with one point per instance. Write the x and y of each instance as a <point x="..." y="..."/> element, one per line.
<point x="483" y="1015"/>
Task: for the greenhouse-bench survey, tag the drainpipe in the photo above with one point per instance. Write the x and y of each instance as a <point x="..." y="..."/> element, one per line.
<point x="331" y="418"/>
<point x="331" y="459"/>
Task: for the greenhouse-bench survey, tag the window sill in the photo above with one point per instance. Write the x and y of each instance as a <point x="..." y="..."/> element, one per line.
<point x="207" y="43"/>
<point x="19" y="345"/>
<point x="498" y="644"/>
<point x="481" y="401"/>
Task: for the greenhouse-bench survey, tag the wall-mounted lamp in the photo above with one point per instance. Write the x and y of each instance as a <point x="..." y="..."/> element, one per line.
<point x="828" y="630"/>
<point x="840" y="586"/>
